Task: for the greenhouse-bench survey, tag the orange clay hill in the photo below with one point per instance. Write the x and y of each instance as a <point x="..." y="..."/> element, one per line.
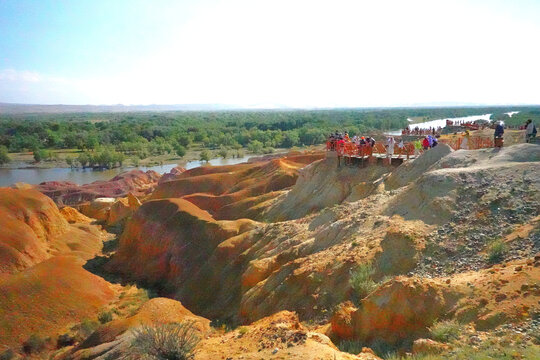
<point x="235" y="191"/>
<point x="292" y="258"/>
<point x="410" y="247"/>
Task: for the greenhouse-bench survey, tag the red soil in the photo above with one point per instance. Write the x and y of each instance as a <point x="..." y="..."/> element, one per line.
<point x="67" y="193"/>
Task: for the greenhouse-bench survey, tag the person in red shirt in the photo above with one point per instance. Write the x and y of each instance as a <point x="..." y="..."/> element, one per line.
<point x="425" y="143"/>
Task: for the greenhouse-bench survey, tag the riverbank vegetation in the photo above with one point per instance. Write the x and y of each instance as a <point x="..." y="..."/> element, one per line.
<point x="4" y="155"/>
<point x="108" y="139"/>
<point x="519" y="119"/>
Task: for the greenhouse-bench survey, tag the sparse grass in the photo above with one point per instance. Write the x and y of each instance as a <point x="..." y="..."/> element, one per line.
<point x="381" y="348"/>
<point x="361" y="280"/>
<point x="86" y="328"/>
<point x="384" y="349"/>
<point x="164" y="342"/>
<point x="351" y="346"/>
<point x="496" y="251"/>
<point x="222" y="325"/>
<point x="445" y="331"/>
<point x="34" y="344"/>
<point x="242" y="330"/>
<point x="496" y="352"/>
<point x="133" y="312"/>
<point x="535" y="335"/>
<point x="105" y="317"/>
<point x="395" y="356"/>
<point x="7" y="355"/>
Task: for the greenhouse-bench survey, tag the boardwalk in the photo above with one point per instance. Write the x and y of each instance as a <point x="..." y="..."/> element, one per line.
<point x="349" y="153"/>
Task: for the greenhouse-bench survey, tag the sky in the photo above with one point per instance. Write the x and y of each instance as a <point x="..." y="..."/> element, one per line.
<point x="276" y="53"/>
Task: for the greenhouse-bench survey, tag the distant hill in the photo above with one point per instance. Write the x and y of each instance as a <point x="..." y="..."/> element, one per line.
<point x="7" y="108"/>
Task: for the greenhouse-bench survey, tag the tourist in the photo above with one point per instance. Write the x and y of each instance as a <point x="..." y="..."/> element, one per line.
<point x="530" y="131"/>
<point x="401" y="147"/>
<point x="465" y="142"/>
<point x="430" y="140"/>
<point x="417" y="147"/>
<point x="390" y="142"/>
<point x="499" y="130"/>
<point x="425" y="143"/>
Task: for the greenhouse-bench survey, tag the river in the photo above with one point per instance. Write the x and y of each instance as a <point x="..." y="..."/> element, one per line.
<point x="85" y="176"/>
<point x="442" y="122"/>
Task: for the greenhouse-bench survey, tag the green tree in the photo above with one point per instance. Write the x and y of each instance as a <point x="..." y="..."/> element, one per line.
<point x="91" y="142"/>
<point x="290" y="139"/>
<point x="39" y="155"/>
<point x="184" y="140"/>
<point x="4" y="155"/>
<point x="205" y="156"/>
<point x="180" y="150"/>
<point x="84" y="159"/>
<point x="223" y="152"/>
<point x="255" y="146"/>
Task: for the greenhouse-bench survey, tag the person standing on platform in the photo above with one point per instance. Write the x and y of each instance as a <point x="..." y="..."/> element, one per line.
<point x="390" y="142"/>
<point x="530" y="131"/>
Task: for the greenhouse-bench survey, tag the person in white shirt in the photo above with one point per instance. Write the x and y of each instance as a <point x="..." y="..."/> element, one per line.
<point x="390" y="142"/>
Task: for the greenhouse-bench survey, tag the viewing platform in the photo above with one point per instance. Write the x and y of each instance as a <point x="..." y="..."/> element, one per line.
<point x="364" y="155"/>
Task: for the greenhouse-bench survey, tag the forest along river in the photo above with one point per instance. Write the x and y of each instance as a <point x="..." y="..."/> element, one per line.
<point x="442" y="122"/>
<point x="85" y="176"/>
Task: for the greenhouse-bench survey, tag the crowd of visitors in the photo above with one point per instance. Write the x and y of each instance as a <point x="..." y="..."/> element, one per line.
<point x="337" y="139"/>
<point x="342" y="140"/>
<point x="418" y="131"/>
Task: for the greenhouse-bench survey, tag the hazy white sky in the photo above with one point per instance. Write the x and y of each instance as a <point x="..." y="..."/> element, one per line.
<point x="276" y="53"/>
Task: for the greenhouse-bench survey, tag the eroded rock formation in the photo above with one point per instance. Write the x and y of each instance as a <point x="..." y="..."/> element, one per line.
<point x="137" y="182"/>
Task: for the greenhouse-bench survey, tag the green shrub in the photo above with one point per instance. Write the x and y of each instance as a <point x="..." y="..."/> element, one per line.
<point x="223" y="152"/>
<point x="255" y="146"/>
<point x="361" y="280"/>
<point x="167" y="342"/>
<point x="205" y="156"/>
<point x="445" y="331"/>
<point x="351" y="346"/>
<point x="180" y="150"/>
<point x="105" y="317"/>
<point x="383" y="348"/>
<point x="4" y="156"/>
<point x="39" y="155"/>
<point x="34" y="344"/>
<point x="497" y="250"/>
